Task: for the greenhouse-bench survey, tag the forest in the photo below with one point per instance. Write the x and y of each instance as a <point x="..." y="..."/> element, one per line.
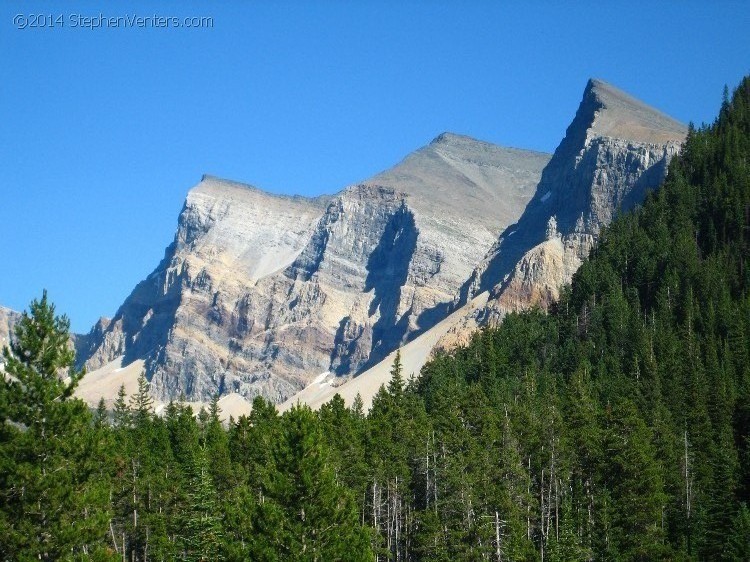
<point x="614" y="426"/>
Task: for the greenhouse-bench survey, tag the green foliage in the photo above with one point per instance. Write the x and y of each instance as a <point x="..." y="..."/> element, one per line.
<point x="53" y="500"/>
<point x="305" y="514"/>
<point x="201" y="530"/>
<point x="38" y="365"/>
<point x="614" y="427"/>
<point x="738" y="545"/>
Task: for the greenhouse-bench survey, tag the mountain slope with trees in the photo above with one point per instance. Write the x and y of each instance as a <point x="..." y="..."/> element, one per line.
<point x="615" y="426"/>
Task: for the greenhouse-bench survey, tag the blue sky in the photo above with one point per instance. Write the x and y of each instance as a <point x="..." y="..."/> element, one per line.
<point x="105" y="130"/>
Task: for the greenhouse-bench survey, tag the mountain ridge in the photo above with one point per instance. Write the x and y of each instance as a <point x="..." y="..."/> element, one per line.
<point x="365" y="270"/>
<point x="591" y="176"/>
<point x="259" y="293"/>
<point x="623" y="116"/>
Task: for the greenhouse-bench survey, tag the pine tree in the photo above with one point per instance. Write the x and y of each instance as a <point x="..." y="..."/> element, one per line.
<point x="344" y="433"/>
<point x="396" y="383"/>
<point x="358" y="407"/>
<point x="738" y="543"/>
<point x="121" y="416"/>
<point x="39" y="364"/>
<point x="141" y="403"/>
<point x="216" y="441"/>
<point x="568" y="546"/>
<point x="101" y="417"/>
<point x="53" y="501"/>
<point x="635" y="485"/>
<point x="202" y="532"/>
<point x="305" y="515"/>
<point x="214" y="411"/>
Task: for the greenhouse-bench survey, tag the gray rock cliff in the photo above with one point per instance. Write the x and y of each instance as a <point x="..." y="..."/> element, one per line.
<point x="8" y="319"/>
<point x="615" y="150"/>
<point x="259" y="293"/>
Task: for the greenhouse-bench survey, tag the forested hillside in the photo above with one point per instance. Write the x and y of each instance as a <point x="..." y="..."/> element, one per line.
<point x="614" y="427"/>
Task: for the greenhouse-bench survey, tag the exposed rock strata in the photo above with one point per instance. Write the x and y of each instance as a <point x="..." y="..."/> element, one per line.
<point x="260" y="293"/>
<point x="615" y="150"/>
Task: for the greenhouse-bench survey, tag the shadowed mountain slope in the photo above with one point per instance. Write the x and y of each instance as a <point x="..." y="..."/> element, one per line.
<point x="259" y="294"/>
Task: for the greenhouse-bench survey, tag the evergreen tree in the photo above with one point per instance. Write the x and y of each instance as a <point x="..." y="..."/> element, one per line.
<point x="121" y="416"/>
<point x="201" y="535"/>
<point x="101" y="417"/>
<point x="39" y="364"/>
<point x="634" y="482"/>
<point x="738" y="543"/>
<point x="141" y="403"/>
<point x="53" y="500"/>
<point x="396" y="383"/>
<point x="305" y="515"/>
<point x="358" y="407"/>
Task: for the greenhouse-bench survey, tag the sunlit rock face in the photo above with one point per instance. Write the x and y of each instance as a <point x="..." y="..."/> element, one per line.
<point x="614" y="151"/>
<point x="260" y="293"/>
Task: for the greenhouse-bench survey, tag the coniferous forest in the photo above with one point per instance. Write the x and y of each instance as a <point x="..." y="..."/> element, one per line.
<point x="615" y="426"/>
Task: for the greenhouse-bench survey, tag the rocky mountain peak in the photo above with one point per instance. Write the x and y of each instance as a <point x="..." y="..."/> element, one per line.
<point x="447" y="137"/>
<point x="484" y="182"/>
<point x="216" y="185"/>
<point x="620" y="115"/>
<point x="260" y="294"/>
<point x="607" y="112"/>
<point x="615" y="149"/>
<point x="612" y="133"/>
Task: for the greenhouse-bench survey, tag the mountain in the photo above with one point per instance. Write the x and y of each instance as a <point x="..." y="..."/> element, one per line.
<point x="629" y="399"/>
<point x="614" y="151"/>
<point x="260" y="293"/>
<point x="613" y="426"/>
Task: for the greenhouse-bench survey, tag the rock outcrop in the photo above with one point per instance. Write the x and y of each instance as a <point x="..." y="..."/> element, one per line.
<point x="8" y="319"/>
<point x="615" y="150"/>
<point x="262" y="294"/>
<point x="259" y="293"/>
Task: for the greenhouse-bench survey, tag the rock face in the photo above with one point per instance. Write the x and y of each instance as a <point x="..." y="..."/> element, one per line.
<point x="615" y="150"/>
<point x="8" y="319"/>
<point x="259" y="293"/>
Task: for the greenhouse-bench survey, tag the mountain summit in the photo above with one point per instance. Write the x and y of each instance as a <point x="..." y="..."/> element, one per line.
<point x="616" y="114"/>
<point x="260" y="294"/>
<point x="615" y="149"/>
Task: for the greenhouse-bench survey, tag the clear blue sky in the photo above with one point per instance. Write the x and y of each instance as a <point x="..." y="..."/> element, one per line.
<point x="105" y="130"/>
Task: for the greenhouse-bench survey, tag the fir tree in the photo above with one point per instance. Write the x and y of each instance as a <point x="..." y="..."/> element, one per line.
<point x="396" y="383"/>
<point x="52" y="493"/>
<point x="141" y="403"/>
<point x="39" y="364"/>
<point x="305" y="515"/>
<point x="202" y="533"/>
<point x="738" y="543"/>
<point x="121" y="416"/>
